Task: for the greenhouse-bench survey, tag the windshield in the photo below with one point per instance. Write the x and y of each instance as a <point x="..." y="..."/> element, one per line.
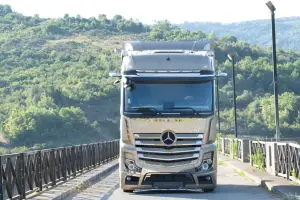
<point x="196" y="96"/>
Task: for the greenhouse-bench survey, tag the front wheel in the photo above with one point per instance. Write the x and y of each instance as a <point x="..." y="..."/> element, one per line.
<point x="209" y="190"/>
<point x="128" y="191"/>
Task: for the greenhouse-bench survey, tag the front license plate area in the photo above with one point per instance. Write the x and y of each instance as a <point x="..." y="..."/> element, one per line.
<point x="168" y="185"/>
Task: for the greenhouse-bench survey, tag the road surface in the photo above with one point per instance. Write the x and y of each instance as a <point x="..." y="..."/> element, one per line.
<point x="231" y="185"/>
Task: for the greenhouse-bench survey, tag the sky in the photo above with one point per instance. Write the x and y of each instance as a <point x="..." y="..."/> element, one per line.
<point x="225" y="11"/>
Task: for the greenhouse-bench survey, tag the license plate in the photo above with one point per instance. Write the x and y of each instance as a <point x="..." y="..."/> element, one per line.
<point x="165" y="185"/>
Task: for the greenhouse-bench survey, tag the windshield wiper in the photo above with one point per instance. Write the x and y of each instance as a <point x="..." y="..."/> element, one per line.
<point x="144" y="108"/>
<point x="181" y="107"/>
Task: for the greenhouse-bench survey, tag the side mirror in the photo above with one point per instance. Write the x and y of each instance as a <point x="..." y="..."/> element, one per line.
<point x="116" y="81"/>
<point x="221" y="75"/>
<point x="130" y="86"/>
<point x="113" y="74"/>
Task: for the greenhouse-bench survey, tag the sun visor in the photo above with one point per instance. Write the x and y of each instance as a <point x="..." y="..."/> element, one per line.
<point x="198" y="45"/>
<point x="167" y="62"/>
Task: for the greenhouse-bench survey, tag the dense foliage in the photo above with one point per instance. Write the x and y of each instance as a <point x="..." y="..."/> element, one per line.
<point x="53" y="77"/>
<point x="55" y="89"/>
<point x="254" y="83"/>
<point x="254" y="32"/>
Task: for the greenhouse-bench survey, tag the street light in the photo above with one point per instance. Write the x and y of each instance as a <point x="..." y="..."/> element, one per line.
<point x="272" y="9"/>
<point x="231" y="58"/>
<point x="218" y="100"/>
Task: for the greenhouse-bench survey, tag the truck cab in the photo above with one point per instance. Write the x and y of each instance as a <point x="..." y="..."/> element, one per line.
<point x="167" y="116"/>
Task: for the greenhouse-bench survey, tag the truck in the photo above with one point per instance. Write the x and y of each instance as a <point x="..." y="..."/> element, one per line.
<point x="167" y="116"/>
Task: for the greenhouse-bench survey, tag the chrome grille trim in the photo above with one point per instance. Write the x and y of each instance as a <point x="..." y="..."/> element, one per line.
<point x="159" y="143"/>
<point x="151" y="136"/>
<point x="169" y="164"/>
<point x="177" y="157"/>
<point x="168" y="151"/>
<point x="151" y="149"/>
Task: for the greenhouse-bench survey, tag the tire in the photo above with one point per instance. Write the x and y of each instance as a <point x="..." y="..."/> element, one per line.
<point x="209" y="190"/>
<point x="128" y="191"/>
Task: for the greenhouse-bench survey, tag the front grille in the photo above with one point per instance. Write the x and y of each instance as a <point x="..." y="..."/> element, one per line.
<point x="170" y="164"/>
<point x="149" y="179"/>
<point x="152" y="150"/>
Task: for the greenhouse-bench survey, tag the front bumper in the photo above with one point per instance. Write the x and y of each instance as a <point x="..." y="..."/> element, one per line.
<point x="176" y="177"/>
<point x="168" y="181"/>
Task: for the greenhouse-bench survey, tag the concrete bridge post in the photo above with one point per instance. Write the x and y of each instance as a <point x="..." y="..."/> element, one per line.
<point x="271" y="158"/>
<point x="245" y="151"/>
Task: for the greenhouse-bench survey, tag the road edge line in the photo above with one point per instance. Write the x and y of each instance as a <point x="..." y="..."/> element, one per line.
<point x="87" y="182"/>
<point x="110" y="192"/>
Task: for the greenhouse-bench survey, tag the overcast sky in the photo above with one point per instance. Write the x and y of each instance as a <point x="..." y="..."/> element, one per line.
<point x="147" y="11"/>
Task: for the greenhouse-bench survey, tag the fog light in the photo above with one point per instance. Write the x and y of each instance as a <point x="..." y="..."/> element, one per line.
<point x="208" y="178"/>
<point x="128" y="178"/>
<point x="205" y="166"/>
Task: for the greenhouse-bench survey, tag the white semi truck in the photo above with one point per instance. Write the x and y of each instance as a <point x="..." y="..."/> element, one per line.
<point x="167" y="116"/>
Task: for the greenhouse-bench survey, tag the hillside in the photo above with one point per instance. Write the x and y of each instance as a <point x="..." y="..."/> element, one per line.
<point x="254" y="32"/>
<point x="53" y="77"/>
<point x="55" y="89"/>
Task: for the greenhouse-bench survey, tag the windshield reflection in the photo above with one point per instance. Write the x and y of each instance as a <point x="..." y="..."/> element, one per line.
<point x="166" y="97"/>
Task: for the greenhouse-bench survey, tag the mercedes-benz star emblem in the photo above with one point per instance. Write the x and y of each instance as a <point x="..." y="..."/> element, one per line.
<point x="168" y="138"/>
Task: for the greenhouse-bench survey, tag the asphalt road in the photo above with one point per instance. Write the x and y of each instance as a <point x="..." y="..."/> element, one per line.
<point x="231" y="185"/>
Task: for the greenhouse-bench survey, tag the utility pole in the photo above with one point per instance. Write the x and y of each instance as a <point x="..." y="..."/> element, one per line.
<point x="272" y="9"/>
<point x="218" y="101"/>
<point x="231" y="57"/>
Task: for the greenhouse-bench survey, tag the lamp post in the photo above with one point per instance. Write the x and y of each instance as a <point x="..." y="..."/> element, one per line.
<point x="231" y="58"/>
<point x="272" y="9"/>
<point x="218" y="100"/>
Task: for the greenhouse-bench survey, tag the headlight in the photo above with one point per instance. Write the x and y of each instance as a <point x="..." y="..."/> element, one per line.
<point x="207" y="161"/>
<point x="131" y="166"/>
<point x="204" y="166"/>
<point x="207" y="155"/>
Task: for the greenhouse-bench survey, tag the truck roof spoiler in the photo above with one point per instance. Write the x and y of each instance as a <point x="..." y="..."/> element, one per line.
<point x="198" y="45"/>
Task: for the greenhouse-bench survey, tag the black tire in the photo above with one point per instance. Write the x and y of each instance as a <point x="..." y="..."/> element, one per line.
<point x="128" y="191"/>
<point x="209" y="190"/>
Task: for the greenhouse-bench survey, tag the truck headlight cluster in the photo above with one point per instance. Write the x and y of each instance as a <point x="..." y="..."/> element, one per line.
<point x="131" y="166"/>
<point x="207" y="162"/>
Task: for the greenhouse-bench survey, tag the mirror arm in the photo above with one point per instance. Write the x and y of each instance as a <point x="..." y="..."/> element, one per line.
<point x="221" y="75"/>
<point x="113" y="74"/>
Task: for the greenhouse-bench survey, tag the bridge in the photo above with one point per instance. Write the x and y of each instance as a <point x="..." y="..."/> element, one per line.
<point x="247" y="169"/>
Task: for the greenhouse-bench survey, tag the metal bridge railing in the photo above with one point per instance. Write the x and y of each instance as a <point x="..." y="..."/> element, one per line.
<point x="288" y="161"/>
<point x="233" y="148"/>
<point x="258" y="152"/>
<point x="277" y="158"/>
<point x="25" y="173"/>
